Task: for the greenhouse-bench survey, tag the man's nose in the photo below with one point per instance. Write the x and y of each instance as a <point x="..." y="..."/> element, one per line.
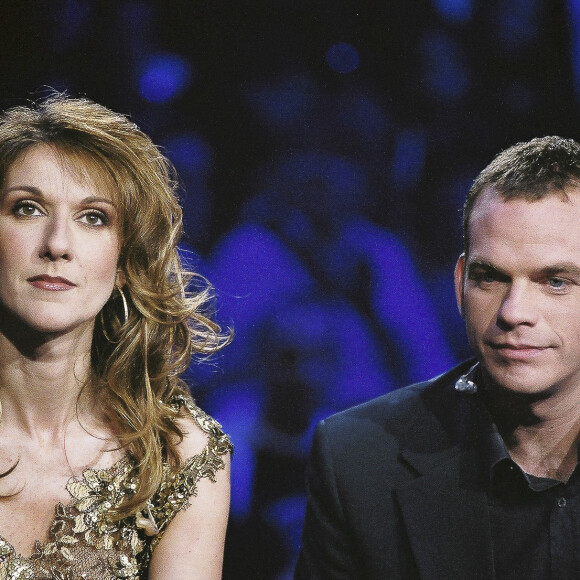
<point x="519" y="306"/>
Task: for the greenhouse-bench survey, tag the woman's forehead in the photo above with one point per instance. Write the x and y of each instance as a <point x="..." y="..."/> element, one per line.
<point x="82" y="165"/>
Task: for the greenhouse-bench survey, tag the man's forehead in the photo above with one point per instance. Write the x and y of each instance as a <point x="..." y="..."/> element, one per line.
<point x="545" y="230"/>
<point x="492" y="195"/>
<point x="557" y="209"/>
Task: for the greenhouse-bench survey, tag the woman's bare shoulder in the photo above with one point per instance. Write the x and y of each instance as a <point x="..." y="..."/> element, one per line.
<point x="192" y="545"/>
<point x="201" y="432"/>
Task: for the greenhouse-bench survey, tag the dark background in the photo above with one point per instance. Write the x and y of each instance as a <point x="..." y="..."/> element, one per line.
<point x="324" y="149"/>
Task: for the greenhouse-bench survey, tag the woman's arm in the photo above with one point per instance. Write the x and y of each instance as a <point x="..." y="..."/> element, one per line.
<point x="192" y="545"/>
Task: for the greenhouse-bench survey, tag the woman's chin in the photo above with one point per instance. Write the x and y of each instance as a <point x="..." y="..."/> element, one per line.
<point x="45" y="324"/>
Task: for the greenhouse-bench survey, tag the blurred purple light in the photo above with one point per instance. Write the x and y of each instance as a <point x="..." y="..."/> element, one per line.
<point x="409" y="158"/>
<point x="71" y="21"/>
<point x="518" y="23"/>
<point x="456" y="11"/>
<point x="445" y="71"/>
<point x="342" y="58"/>
<point x="163" y="77"/>
<point x="283" y="102"/>
<point x="574" y="24"/>
<point x="190" y="154"/>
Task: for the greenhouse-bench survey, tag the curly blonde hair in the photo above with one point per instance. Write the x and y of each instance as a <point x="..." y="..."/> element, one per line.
<point x="136" y="360"/>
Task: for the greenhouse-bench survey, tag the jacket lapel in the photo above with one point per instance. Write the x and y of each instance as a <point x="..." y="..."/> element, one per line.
<point x="447" y="522"/>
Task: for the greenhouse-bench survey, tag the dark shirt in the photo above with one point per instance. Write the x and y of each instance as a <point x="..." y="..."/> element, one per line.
<point x="534" y="521"/>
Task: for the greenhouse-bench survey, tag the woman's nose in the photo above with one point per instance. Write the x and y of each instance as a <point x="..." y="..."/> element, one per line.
<point x="57" y="243"/>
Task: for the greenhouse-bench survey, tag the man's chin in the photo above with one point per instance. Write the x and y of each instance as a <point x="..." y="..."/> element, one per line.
<point x="517" y="382"/>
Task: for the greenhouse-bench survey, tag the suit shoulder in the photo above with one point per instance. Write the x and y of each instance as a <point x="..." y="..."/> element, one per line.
<point x="413" y="410"/>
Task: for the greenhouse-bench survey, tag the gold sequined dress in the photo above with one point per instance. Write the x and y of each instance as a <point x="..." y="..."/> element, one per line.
<point x="85" y="544"/>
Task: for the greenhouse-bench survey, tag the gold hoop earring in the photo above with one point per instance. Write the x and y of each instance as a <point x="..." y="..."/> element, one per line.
<point x="104" y="330"/>
<point x="125" y="305"/>
<point x="125" y="315"/>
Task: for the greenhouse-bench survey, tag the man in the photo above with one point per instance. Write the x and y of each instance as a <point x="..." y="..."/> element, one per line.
<point x="473" y="474"/>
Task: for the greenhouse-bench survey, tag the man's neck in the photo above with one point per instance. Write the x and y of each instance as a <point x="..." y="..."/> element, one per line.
<point x="546" y="450"/>
<point x="541" y="432"/>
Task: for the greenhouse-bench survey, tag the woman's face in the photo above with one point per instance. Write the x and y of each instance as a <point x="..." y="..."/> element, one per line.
<point x="59" y="244"/>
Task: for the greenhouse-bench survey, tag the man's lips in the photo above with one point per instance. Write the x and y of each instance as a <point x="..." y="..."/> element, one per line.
<point x="517" y="351"/>
<point x="513" y="346"/>
<point x="55" y="283"/>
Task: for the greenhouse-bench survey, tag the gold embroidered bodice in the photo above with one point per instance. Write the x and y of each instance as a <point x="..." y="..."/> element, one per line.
<point x="84" y="543"/>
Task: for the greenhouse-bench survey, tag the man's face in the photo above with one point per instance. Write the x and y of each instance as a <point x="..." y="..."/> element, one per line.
<point x="519" y="291"/>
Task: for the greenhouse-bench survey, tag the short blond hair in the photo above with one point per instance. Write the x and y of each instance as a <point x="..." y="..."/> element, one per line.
<point x="527" y="170"/>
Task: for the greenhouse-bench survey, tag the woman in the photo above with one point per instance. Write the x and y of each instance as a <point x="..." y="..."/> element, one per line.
<point x="108" y="469"/>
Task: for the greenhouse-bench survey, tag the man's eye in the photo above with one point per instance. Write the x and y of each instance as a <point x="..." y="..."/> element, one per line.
<point x="557" y="283"/>
<point x="483" y="277"/>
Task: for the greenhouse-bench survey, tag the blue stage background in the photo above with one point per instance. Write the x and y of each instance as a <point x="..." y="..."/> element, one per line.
<point x="324" y="148"/>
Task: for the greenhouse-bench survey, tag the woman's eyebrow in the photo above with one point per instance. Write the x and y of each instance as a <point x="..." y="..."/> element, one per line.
<point x="28" y="188"/>
<point x="95" y="199"/>
<point x="37" y="192"/>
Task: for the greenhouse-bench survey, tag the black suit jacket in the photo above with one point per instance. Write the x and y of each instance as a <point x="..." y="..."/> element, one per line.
<point x="396" y="489"/>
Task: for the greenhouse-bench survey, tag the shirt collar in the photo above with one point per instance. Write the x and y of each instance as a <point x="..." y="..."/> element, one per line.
<point x="496" y="460"/>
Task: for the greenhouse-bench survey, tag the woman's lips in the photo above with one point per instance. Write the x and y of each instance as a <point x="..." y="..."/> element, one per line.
<point x="51" y="283"/>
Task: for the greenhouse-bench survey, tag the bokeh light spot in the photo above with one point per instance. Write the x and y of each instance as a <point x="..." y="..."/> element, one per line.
<point x="517" y="23"/>
<point x="409" y="158"/>
<point x="574" y="23"/>
<point x="342" y="58"/>
<point x="285" y="101"/>
<point x="455" y="11"/>
<point x="163" y="77"/>
<point x="190" y="154"/>
<point x="71" y="21"/>
<point x="445" y="69"/>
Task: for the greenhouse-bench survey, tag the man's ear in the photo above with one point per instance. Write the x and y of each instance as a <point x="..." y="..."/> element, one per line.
<point x="460" y="282"/>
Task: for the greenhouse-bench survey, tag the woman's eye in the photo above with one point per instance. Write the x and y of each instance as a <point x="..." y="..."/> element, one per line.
<point x="94" y="218"/>
<point x="26" y="209"/>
